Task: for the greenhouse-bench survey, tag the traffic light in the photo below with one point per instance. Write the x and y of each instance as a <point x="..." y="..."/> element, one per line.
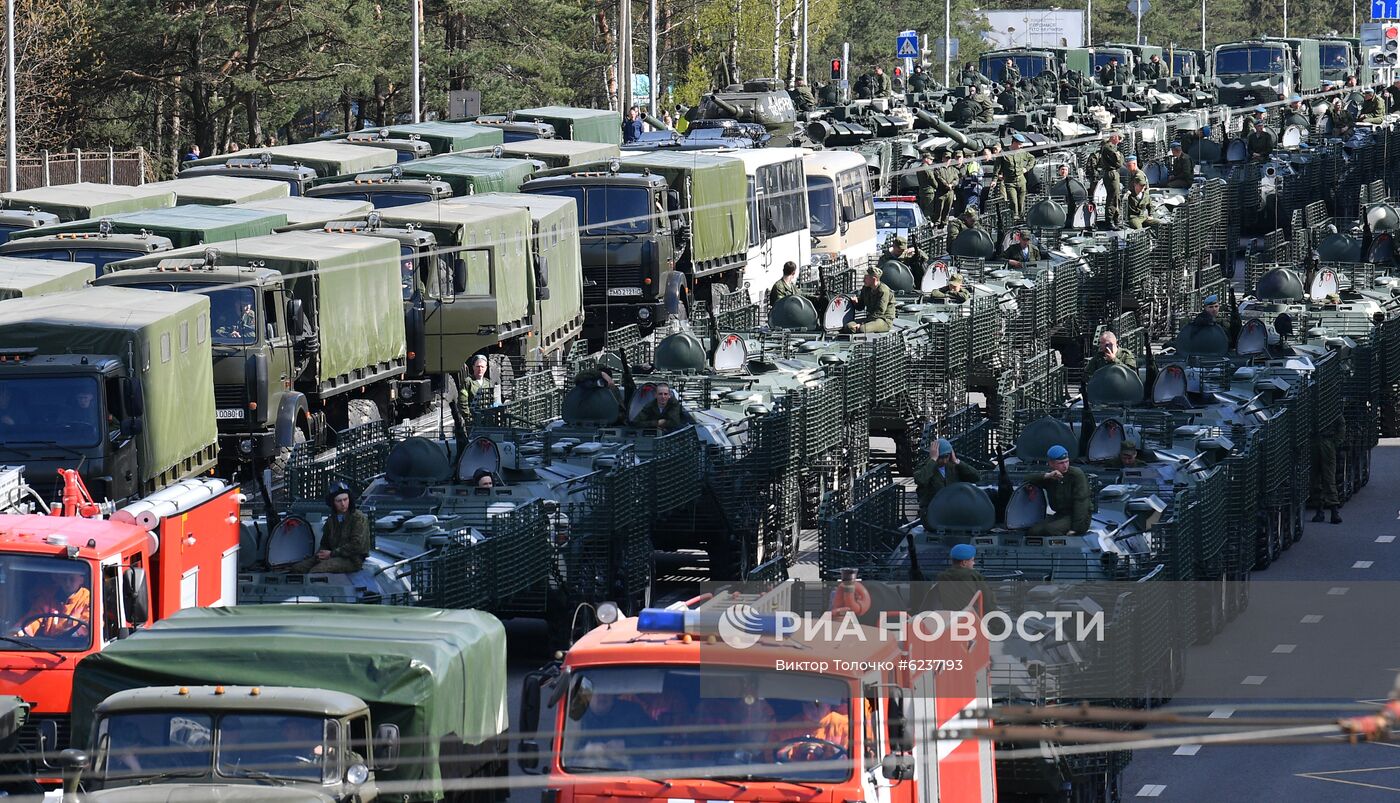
<point x="898" y="71"/>
<point x="1391" y="44"/>
<point x="836" y="69"/>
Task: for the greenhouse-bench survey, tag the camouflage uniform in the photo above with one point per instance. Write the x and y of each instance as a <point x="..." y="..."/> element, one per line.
<point x="956" y="585"/>
<point x="1324" y="465"/>
<point x="1180" y="171"/>
<point x="929" y="480"/>
<point x="475" y="394"/>
<point x="1373" y="110"/>
<point x="651" y="415"/>
<point x="878" y="304"/>
<point x="1069" y="498"/>
<point x="1138" y="209"/>
<point x="348" y="541"/>
<point x="1110" y="161"/>
<point x="1125" y="358"/>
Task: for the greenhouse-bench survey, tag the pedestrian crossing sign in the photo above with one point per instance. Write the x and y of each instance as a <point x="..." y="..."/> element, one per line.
<point x="907" y="45"/>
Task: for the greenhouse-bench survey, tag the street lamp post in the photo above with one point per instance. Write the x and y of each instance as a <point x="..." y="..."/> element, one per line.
<point x="1089" y="25"/>
<point x="11" y="147"/>
<point x="417" y="77"/>
<point x="947" y="42"/>
<point x="651" y="58"/>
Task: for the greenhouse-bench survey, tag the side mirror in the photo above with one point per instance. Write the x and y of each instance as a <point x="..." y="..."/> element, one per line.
<point x="530" y="689"/>
<point x="386" y="747"/>
<point x="897" y="766"/>
<point x="136" y="597"/>
<point x="135" y="399"/>
<point x="541" y="279"/>
<point x="294" y="322"/>
<point x="459" y="276"/>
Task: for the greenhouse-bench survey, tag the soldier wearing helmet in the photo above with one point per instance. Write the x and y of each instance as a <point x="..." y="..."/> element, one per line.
<point x="345" y="536"/>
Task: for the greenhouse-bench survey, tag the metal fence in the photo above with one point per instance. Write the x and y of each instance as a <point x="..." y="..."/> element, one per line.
<point x="67" y="167"/>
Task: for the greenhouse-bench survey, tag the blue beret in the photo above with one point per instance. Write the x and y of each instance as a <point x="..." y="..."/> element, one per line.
<point x="1057" y="453"/>
<point x="1296" y="99"/>
<point x="1176" y="143"/>
<point x="1132" y="157"/>
<point x="963" y="552"/>
<point x="1261" y="109"/>
<point x="945" y="447"/>
<point x="1212" y="299"/>
<point x="1205" y="130"/>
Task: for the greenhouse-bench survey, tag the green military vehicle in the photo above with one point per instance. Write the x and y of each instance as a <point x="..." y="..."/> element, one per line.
<point x="180" y="226"/>
<point x="407" y="148"/>
<point x="220" y="190"/>
<point x="514" y="130"/>
<point x="1265" y="70"/>
<point x="13" y="220"/>
<point x="23" y="278"/>
<point x="297" y="703"/>
<point x="585" y="125"/>
<point x="385" y="191"/>
<point x="307" y="332"/>
<point x="444" y="137"/>
<point x="1339" y="57"/>
<point x="763" y="101"/>
<point x="305" y="214"/>
<point x="94" y="248"/>
<point x="301" y="166"/>
<point x="16" y="770"/>
<point x="84" y="199"/>
<point x="473" y="174"/>
<point x="1031" y="62"/>
<point x="560" y="152"/>
<point x="652" y="227"/>
<point x="116" y="383"/>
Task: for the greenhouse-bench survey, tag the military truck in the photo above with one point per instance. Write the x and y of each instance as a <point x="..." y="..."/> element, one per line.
<point x="515" y="130"/>
<point x="1031" y="62"/>
<point x="441" y="137"/>
<point x="385" y="191"/>
<point x="179" y="226"/>
<point x="405" y="704"/>
<point x="13" y="220"/>
<point x="220" y="190"/>
<point x="84" y="200"/>
<point x="116" y="383"/>
<point x="1088" y="60"/>
<point x="297" y="177"/>
<point x="22" y="278"/>
<point x="95" y="248"/>
<point x="559" y="152"/>
<point x="1339" y="57"/>
<point x="408" y="148"/>
<point x="654" y="228"/>
<point x="473" y="174"/>
<point x="309" y="213"/>
<point x="1265" y="70"/>
<point x="307" y="333"/>
<point x="300" y="166"/>
<point x="584" y="125"/>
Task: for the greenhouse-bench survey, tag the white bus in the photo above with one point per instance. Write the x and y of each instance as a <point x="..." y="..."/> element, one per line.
<point x="778" y="216"/>
<point x="841" y="203"/>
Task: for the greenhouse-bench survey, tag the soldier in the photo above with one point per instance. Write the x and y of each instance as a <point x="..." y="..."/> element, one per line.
<point x="477" y="391"/>
<point x="877" y="301"/>
<point x="970" y="74"/>
<point x="1011" y="76"/>
<point x="1108" y="73"/>
<point x="1068" y="489"/>
<point x="1130" y="164"/>
<point x="1154" y="69"/>
<point x="1296" y="116"/>
<point x="1137" y="207"/>
<point x="802" y="96"/>
<point x="942" y="469"/>
<point x="632" y="128"/>
<point x="961" y="223"/>
<point x="883" y="88"/>
<point x="345" y="537"/>
<point x="945" y="181"/>
<point x="1110" y="161"/>
<point x="986" y="107"/>
<point x="1021" y="250"/>
<point x="918" y="81"/>
<point x="1340" y="121"/>
<point x="1372" y="107"/>
<point x="1012" y="169"/>
<point x="1180" y="172"/>
<point x="1324" y="469"/>
<point x="1108" y="354"/>
<point x="928" y="181"/>
<point x="1260" y="143"/>
<point x="899" y="250"/>
<point x="662" y="412"/>
<point x="1127" y="456"/>
<point x="957" y="584"/>
<point x="600" y="376"/>
<point x="785" y="286"/>
<point x="954" y="291"/>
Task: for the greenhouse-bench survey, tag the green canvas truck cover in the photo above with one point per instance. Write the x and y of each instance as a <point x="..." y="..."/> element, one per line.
<point x="218" y="190"/>
<point x="168" y="333"/>
<point x="433" y="673"/>
<point x="449" y="137"/>
<point x="587" y="125"/>
<point x="35" y="277"/>
<point x="310" y="213"/>
<point x="328" y="159"/>
<point x="473" y="174"/>
<point x="187" y="225"/>
<point x="718" y="198"/>
<point x="555" y="238"/>
<point x="348" y="284"/>
<point x="82" y="200"/>
<point x="560" y="152"/>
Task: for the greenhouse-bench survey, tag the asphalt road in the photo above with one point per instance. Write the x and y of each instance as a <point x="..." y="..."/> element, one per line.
<point x="1320" y="631"/>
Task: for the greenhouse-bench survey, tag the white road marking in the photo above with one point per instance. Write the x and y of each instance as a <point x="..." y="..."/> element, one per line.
<point x="1254" y="680"/>
<point x="1337" y="591"/>
<point x="1386" y="539"/>
<point x="1285" y="649"/>
<point x="1152" y="790"/>
<point x="1311" y="619"/>
<point x="1187" y="750"/>
<point x="1221" y="713"/>
<point x="1362" y="564"/>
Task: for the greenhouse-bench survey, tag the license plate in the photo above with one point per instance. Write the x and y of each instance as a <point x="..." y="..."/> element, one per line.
<point x="234" y="412"/>
<point x="624" y="291"/>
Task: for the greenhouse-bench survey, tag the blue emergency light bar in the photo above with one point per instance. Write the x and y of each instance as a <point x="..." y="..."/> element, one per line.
<point x="663" y="620"/>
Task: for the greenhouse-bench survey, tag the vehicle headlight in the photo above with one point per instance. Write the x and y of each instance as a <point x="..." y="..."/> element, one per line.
<point x="644" y="314"/>
<point x="407" y="391"/>
<point x="357" y="774"/>
<point x="246" y="446"/>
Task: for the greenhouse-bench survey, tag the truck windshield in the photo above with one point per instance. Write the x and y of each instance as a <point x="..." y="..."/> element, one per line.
<point x="1102" y="58"/>
<point x="45" y="602"/>
<point x="38" y="410"/>
<point x="281" y="745"/>
<point x="684" y="722"/>
<point x="821" y="205"/>
<point x="5" y="232"/>
<point x="158" y="743"/>
<point x="1244" y="60"/>
<point x="381" y="200"/>
<point x="994" y="67"/>
<point x="609" y="210"/>
<point x="1334" y="55"/>
<point x="1183" y="64"/>
<point x="97" y="256"/>
<point x="233" y="317"/>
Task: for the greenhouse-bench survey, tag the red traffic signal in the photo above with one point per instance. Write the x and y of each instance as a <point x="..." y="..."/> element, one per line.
<point x="1392" y="32"/>
<point x="836" y="69"/>
<point x="898" y="71"/>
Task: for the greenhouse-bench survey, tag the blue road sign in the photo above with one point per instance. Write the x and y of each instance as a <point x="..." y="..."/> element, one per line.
<point x="1385" y="9"/>
<point x="907" y="45"/>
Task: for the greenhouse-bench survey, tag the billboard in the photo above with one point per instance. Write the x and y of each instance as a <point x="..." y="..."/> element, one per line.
<point x="1034" y="28"/>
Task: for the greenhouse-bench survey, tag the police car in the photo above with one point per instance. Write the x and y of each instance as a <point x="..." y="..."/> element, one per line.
<point x="896" y="216"/>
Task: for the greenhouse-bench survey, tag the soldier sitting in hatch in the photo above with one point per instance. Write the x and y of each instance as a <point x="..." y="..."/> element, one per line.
<point x="663" y="412"/>
<point x="345" y="537"/>
<point x="954" y="291"/>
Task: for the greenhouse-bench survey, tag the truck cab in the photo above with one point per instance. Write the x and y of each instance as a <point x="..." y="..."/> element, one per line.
<point x="1031" y="63"/>
<point x="1255" y="71"/>
<point x="408" y="148"/>
<point x="298" y="179"/>
<point x="15" y="220"/>
<point x="385" y="190"/>
<point x="95" y="248"/>
<point x="516" y="130"/>
<point x="272" y="743"/>
<point x="1339" y="57"/>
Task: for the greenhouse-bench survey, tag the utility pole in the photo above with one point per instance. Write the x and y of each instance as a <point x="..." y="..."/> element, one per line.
<point x="624" y="56"/>
<point x="651" y="58"/>
<point x="805" y="77"/>
<point x="11" y="147"/>
<point x="417" y="77"/>
<point x="947" y="42"/>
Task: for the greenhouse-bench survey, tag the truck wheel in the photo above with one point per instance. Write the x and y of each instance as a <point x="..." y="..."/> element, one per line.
<point x="361" y="412"/>
<point x="283" y="458"/>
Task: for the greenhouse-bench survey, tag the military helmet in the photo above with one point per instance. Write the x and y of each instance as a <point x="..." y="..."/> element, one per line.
<point x="417" y="461"/>
<point x="972" y="243"/>
<point x="896" y="276"/>
<point x="1339" y="248"/>
<point x="1279" y="284"/>
<point x="1047" y="214"/>
<point x="793" y="312"/>
<point x="961" y="506"/>
<point x="1114" y="384"/>
<point x="1041" y="434"/>
<point x="680" y="352"/>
